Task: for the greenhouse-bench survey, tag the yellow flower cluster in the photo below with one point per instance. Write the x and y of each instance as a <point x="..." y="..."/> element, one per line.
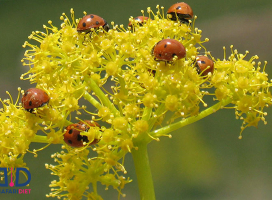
<point x="16" y="131"/>
<point x="246" y="84"/>
<point x="115" y="71"/>
<point x="76" y="172"/>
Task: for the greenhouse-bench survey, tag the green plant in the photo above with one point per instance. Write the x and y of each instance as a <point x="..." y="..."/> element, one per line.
<point x="70" y="66"/>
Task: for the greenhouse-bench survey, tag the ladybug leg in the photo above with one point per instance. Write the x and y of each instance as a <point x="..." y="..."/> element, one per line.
<point x="43" y="104"/>
<point x="30" y="110"/>
<point x="90" y="35"/>
<point x="106" y="27"/>
<point x="197" y="67"/>
<point x="184" y="21"/>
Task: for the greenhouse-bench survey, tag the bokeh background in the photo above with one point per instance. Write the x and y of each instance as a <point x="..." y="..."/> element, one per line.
<point x="203" y="161"/>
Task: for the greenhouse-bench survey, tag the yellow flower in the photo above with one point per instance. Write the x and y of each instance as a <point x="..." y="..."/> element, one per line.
<point x="17" y="131"/>
<point x="73" y="67"/>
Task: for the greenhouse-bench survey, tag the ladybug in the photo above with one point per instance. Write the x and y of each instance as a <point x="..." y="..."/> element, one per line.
<point x="88" y="123"/>
<point x="166" y="49"/>
<point x="72" y="135"/>
<point x="139" y="20"/>
<point x="34" y="98"/>
<point x="181" y="11"/>
<point x="91" y="21"/>
<point x="204" y="65"/>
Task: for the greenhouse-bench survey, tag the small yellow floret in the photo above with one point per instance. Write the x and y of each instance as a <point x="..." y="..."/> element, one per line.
<point x="171" y="102"/>
<point x="120" y="123"/>
<point x="141" y="126"/>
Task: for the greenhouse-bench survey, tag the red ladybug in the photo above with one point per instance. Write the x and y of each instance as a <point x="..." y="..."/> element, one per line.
<point x="34" y="98"/>
<point x="72" y="135"/>
<point x="88" y="123"/>
<point x="91" y="21"/>
<point x="204" y="65"/>
<point x="166" y="49"/>
<point x="139" y="20"/>
<point x="181" y="11"/>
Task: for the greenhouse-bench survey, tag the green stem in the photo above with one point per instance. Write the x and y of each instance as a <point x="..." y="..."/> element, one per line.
<point x="92" y="100"/>
<point x="40" y="139"/>
<point x="101" y="95"/>
<point x="147" y="113"/>
<point x="122" y="85"/>
<point x="190" y="120"/>
<point x="159" y="111"/>
<point x="95" y="187"/>
<point x="140" y="156"/>
<point x="143" y="171"/>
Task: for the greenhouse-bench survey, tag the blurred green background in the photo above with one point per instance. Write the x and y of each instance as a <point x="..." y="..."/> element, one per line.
<point x="202" y="161"/>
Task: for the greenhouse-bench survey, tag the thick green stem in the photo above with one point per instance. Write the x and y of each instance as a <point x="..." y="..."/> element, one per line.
<point x="140" y="156"/>
<point x="143" y="171"/>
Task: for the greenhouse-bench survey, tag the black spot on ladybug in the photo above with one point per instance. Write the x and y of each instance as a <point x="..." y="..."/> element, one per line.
<point x="160" y="55"/>
<point x="25" y="93"/>
<point x="173" y="54"/>
<point x="203" y="62"/>
<point x="79" y="137"/>
<point x="84" y="24"/>
<point x="91" y="16"/>
<point x="70" y="131"/>
<point x="178" y="8"/>
<point x="85" y="138"/>
<point x="165" y="45"/>
<point x="30" y="103"/>
<point x="70" y="141"/>
<point x="97" y="22"/>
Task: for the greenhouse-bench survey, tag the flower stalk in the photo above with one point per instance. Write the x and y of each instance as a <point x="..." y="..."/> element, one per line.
<point x="143" y="172"/>
<point x="174" y="126"/>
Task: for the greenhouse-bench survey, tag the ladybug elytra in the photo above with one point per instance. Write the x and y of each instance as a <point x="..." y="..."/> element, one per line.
<point x="34" y="98"/>
<point x="91" y="21"/>
<point x="204" y="65"/>
<point x="181" y="11"/>
<point x="167" y="49"/>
